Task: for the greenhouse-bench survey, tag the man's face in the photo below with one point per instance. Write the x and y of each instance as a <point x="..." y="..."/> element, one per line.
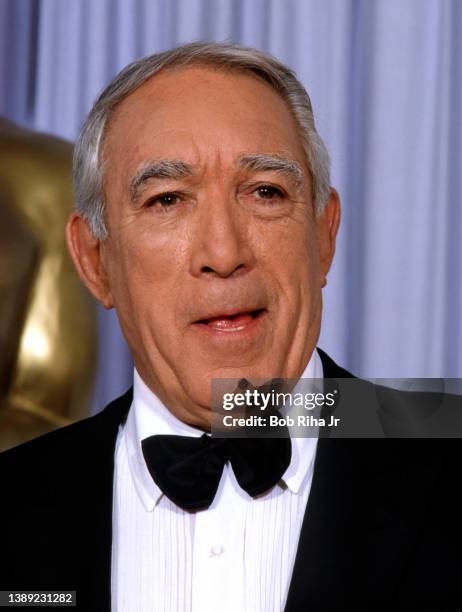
<point x="214" y="259"/>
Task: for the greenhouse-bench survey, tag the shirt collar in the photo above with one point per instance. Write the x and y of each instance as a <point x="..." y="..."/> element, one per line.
<point x="148" y="416"/>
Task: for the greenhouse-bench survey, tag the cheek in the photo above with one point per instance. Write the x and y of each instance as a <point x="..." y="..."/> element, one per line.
<point x="291" y="256"/>
<point x="144" y="272"/>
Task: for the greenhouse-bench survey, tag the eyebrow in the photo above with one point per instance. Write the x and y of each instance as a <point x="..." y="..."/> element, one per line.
<point x="163" y="169"/>
<point x="274" y="163"/>
<point x="175" y="169"/>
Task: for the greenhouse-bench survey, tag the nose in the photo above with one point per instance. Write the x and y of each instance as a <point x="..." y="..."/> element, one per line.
<point x="221" y="246"/>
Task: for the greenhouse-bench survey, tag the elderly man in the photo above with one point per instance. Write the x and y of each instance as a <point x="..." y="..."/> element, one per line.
<point x="205" y="218"/>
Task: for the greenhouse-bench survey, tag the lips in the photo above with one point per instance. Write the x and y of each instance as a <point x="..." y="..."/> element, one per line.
<point x="231" y="322"/>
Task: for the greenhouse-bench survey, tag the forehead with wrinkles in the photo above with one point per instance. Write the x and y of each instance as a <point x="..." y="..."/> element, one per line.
<point x="196" y="116"/>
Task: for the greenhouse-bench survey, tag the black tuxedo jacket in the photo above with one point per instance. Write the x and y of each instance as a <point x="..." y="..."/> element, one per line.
<point x="382" y="528"/>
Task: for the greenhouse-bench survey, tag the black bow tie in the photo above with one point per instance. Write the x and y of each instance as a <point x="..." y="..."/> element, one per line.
<point x="188" y="470"/>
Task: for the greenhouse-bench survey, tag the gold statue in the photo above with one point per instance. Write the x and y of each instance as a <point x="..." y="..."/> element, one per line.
<point x="47" y="319"/>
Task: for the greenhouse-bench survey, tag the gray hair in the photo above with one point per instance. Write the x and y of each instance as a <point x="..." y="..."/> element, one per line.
<point x="88" y="172"/>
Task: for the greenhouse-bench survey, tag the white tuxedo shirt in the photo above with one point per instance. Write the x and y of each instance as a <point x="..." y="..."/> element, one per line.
<point x="237" y="555"/>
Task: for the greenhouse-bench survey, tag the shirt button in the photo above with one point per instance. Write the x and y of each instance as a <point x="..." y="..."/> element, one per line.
<point x="217" y="550"/>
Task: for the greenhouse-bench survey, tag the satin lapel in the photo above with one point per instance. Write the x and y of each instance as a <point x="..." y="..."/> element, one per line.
<point x="331" y="369"/>
<point x="364" y="514"/>
<point x="96" y="516"/>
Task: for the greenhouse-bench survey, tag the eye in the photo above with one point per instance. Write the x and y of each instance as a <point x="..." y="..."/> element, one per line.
<point x="268" y="192"/>
<point x="164" y="200"/>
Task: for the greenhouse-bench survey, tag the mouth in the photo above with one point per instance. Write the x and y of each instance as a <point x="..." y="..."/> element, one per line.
<point x="232" y="322"/>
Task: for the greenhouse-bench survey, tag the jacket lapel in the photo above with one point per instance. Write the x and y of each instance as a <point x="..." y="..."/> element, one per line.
<point x="96" y="517"/>
<point x="362" y="521"/>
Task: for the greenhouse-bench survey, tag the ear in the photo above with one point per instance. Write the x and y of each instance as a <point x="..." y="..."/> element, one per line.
<point x="86" y="252"/>
<point x="327" y="224"/>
